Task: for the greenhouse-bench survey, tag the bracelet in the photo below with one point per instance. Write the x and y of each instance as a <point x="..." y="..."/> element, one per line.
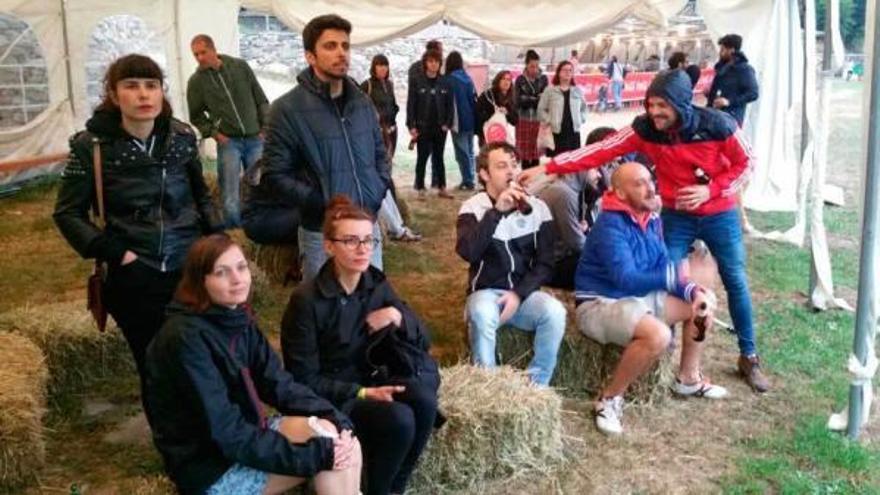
<point x="318" y="429"/>
<point x="362" y="393"/>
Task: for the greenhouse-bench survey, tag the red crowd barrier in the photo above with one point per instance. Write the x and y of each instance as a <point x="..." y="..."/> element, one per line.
<point x="635" y="85"/>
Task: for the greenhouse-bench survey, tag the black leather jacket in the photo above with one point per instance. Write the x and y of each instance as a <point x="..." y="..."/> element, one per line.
<point x="155" y="198"/>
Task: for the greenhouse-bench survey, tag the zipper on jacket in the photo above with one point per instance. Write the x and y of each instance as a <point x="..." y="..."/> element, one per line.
<point x="476" y="277"/>
<point x="231" y="101"/>
<point x="512" y="264"/>
<point x="162" y="219"/>
<point x="357" y="180"/>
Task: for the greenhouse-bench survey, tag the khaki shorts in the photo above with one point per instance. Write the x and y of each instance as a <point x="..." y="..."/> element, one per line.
<point x="613" y="321"/>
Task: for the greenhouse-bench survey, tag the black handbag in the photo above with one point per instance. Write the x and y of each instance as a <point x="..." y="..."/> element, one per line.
<point x="390" y="356"/>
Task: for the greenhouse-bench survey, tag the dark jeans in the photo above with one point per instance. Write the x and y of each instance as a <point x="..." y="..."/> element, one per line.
<point x="136" y="297"/>
<point x="393" y="434"/>
<point x="430" y="145"/>
<point x="722" y="234"/>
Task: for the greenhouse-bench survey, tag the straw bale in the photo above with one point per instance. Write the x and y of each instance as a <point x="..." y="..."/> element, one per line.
<point x="275" y="260"/>
<point x="261" y="287"/>
<point x="583" y="366"/>
<point x="76" y="352"/>
<point x="23" y="376"/>
<point x="148" y="485"/>
<point x="499" y="425"/>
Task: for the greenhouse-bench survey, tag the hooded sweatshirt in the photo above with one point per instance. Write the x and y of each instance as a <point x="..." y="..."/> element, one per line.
<point x="465" y="97"/>
<point x="701" y="138"/>
<point x="624" y="256"/>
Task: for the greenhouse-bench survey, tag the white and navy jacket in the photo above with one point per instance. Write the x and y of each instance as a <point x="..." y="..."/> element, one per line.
<point x="508" y="251"/>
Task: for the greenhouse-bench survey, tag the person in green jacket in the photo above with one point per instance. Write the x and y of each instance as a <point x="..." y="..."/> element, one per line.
<point x="227" y="103"/>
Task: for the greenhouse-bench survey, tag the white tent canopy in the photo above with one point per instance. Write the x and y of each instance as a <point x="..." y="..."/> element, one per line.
<point x="770" y="29"/>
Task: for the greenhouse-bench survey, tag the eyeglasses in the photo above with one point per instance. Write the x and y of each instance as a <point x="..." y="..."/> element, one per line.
<point x="353" y="242"/>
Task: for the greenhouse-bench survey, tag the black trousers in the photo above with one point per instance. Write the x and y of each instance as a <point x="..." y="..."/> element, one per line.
<point x="136" y="297"/>
<point x="431" y="145"/>
<point x="393" y="434"/>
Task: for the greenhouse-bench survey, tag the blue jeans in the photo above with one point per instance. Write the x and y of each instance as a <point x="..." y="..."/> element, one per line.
<point x="232" y="159"/>
<point x="463" y="142"/>
<point x="313" y="256"/>
<point x="540" y="313"/>
<point x="722" y="234"/>
<point x="617" y="89"/>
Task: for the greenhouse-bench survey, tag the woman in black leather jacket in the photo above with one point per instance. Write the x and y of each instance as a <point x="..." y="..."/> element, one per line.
<point x="340" y="334"/>
<point x="155" y="197"/>
<point x="380" y="89"/>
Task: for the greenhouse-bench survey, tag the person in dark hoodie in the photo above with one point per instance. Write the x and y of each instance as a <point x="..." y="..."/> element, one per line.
<point x="735" y="85"/>
<point x="323" y="139"/>
<point x="333" y="334"/>
<point x="209" y="372"/>
<point x="464" y="97"/>
<point x="628" y="292"/>
<point x="701" y="159"/>
<point x="155" y="198"/>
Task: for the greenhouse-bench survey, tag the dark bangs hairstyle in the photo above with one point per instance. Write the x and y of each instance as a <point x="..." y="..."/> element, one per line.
<point x="559" y="69"/>
<point x="316" y="27"/>
<point x="379" y="59"/>
<point x="134" y="66"/>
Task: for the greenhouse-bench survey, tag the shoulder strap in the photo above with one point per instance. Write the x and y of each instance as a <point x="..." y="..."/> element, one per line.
<point x="99" y="183"/>
<point x="370" y="87"/>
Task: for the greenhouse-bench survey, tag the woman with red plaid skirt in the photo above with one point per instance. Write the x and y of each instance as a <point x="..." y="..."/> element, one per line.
<point x="529" y="86"/>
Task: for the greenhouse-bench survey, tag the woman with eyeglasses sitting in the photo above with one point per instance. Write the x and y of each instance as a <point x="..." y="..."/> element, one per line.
<point x="349" y="337"/>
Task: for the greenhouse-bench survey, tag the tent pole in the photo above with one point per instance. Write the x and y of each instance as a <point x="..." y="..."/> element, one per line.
<point x="805" y="122"/>
<point x="181" y="81"/>
<point x="67" y="57"/>
<point x="865" y="319"/>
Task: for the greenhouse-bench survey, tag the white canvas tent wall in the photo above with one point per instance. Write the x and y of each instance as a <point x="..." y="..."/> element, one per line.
<point x="770" y="29"/>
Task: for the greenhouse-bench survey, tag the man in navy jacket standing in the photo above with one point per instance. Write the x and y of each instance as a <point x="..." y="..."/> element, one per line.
<point x="628" y="292"/>
<point x="735" y="85"/>
<point x="324" y="139"/>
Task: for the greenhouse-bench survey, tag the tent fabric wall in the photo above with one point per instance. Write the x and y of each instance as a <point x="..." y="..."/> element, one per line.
<point x="769" y="28"/>
<point x="47" y="134"/>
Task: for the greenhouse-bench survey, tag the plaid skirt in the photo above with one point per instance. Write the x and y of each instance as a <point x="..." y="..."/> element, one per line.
<point x="527" y="139"/>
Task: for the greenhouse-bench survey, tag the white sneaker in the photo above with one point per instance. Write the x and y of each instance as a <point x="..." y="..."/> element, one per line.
<point x="608" y="413"/>
<point x="702" y="388"/>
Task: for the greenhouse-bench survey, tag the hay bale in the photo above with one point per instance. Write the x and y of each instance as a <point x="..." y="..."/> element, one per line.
<point x="499" y="425"/>
<point x="276" y="260"/>
<point x="76" y="352"/>
<point x="261" y="287"/>
<point x="583" y="366"/>
<point x="23" y="376"/>
<point x="148" y="485"/>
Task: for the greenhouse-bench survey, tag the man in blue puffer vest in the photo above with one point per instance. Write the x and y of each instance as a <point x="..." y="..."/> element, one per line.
<point x="324" y="139"/>
<point x="628" y="292"/>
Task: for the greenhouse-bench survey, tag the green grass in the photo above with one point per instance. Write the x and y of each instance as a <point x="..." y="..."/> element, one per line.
<point x="809" y="460"/>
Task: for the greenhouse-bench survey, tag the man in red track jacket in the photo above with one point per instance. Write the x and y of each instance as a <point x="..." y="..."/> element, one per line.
<point x="701" y="161"/>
